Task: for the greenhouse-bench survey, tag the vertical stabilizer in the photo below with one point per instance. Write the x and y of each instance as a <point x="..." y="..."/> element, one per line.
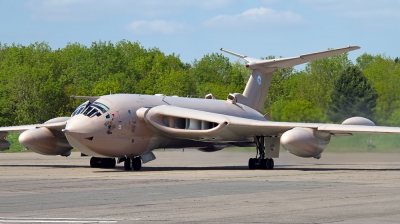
<point x="256" y="90"/>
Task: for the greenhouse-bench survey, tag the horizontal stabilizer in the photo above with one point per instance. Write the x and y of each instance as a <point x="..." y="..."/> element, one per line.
<point x="233" y="53"/>
<point x="239" y="55"/>
<point x="293" y="61"/>
<point x="290" y="62"/>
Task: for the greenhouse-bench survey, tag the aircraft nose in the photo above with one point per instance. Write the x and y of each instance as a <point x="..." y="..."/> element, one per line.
<point x="78" y="126"/>
<point x="80" y="130"/>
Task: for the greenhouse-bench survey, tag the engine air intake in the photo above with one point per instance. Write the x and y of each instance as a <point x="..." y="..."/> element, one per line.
<point x="190" y="124"/>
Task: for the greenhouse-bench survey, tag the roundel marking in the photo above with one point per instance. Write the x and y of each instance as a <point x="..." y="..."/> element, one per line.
<point x="259" y="80"/>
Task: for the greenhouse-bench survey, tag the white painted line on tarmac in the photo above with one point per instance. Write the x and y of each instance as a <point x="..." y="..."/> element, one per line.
<point x="61" y="220"/>
<point x="52" y="221"/>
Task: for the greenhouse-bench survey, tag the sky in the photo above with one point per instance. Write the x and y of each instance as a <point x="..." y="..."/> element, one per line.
<point x="192" y="29"/>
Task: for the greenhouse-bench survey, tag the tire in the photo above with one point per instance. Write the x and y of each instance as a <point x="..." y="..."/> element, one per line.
<point x="92" y="162"/>
<point x="264" y="164"/>
<point x="111" y="163"/>
<point x="104" y="162"/>
<point x="271" y="164"/>
<point x="137" y="163"/>
<point x="128" y="164"/>
<point x="252" y="163"/>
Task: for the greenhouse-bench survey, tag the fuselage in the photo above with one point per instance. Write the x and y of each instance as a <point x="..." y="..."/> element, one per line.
<point x="109" y="126"/>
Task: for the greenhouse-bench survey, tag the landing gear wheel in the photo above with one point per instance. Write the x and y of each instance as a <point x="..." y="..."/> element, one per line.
<point x="252" y="164"/>
<point x="92" y="162"/>
<point x="260" y="162"/>
<point x="271" y="164"/>
<point x="137" y="163"/>
<point x="111" y="163"/>
<point x="103" y="163"/>
<point x="128" y="164"/>
<point x="96" y="162"/>
<point x="264" y="164"/>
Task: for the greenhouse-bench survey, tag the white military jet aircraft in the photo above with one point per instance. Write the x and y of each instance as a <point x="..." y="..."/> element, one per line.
<point x="130" y="126"/>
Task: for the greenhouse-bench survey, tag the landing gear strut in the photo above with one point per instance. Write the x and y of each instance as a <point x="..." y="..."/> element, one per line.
<point x="260" y="162"/>
<point x="102" y="162"/>
<point x="133" y="163"/>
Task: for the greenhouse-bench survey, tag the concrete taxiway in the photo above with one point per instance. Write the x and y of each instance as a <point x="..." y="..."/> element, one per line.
<point x="192" y="186"/>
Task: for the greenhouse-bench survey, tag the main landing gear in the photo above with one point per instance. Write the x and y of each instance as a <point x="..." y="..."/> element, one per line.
<point x="102" y="162"/>
<point x="133" y="163"/>
<point x="260" y="162"/>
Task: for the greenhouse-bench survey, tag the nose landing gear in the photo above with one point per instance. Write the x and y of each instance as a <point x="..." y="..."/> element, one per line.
<point x="260" y="162"/>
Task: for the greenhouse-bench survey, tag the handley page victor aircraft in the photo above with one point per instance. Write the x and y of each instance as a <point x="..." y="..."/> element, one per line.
<point x="130" y="126"/>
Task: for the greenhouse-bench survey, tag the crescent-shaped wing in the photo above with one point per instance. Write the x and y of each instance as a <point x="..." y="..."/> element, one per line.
<point x="198" y="125"/>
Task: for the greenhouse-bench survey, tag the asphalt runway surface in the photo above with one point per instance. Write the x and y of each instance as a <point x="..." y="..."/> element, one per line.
<point x="198" y="187"/>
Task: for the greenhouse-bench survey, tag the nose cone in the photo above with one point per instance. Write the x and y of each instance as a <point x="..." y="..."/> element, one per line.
<point x="79" y="126"/>
<point x="80" y="131"/>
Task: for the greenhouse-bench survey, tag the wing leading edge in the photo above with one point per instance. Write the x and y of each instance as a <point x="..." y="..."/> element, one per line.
<point x="56" y="126"/>
<point x="226" y="128"/>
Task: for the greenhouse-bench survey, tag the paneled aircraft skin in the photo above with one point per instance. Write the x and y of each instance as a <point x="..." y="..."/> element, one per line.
<point x="130" y="126"/>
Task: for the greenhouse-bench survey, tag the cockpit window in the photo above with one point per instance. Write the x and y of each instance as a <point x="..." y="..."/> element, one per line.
<point x="101" y="106"/>
<point x="80" y="109"/>
<point x="91" y="110"/>
<point x="85" y="112"/>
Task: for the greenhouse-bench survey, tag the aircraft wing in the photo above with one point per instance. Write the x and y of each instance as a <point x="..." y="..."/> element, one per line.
<point x="56" y="126"/>
<point x="198" y="125"/>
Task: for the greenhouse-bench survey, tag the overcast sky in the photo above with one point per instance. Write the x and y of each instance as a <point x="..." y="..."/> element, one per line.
<point x="255" y="28"/>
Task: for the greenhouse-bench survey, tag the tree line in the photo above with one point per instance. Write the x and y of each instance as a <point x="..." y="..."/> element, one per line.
<point x="37" y="82"/>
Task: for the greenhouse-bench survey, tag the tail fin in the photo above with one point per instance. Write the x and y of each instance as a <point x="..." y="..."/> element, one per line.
<point x="257" y="87"/>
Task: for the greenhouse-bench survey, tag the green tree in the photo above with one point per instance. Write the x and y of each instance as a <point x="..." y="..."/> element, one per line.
<point x="384" y="73"/>
<point x="178" y="83"/>
<point x="352" y="95"/>
<point x="277" y="88"/>
<point x="364" y="61"/>
<point x="312" y="85"/>
<point x="296" y="111"/>
<point x="215" y="74"/>
<point x="321" y="76"/>
<point x="37" y="82"/>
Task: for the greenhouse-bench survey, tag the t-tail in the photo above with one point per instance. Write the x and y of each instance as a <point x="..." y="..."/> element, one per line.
<point x="257" y="87"/>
